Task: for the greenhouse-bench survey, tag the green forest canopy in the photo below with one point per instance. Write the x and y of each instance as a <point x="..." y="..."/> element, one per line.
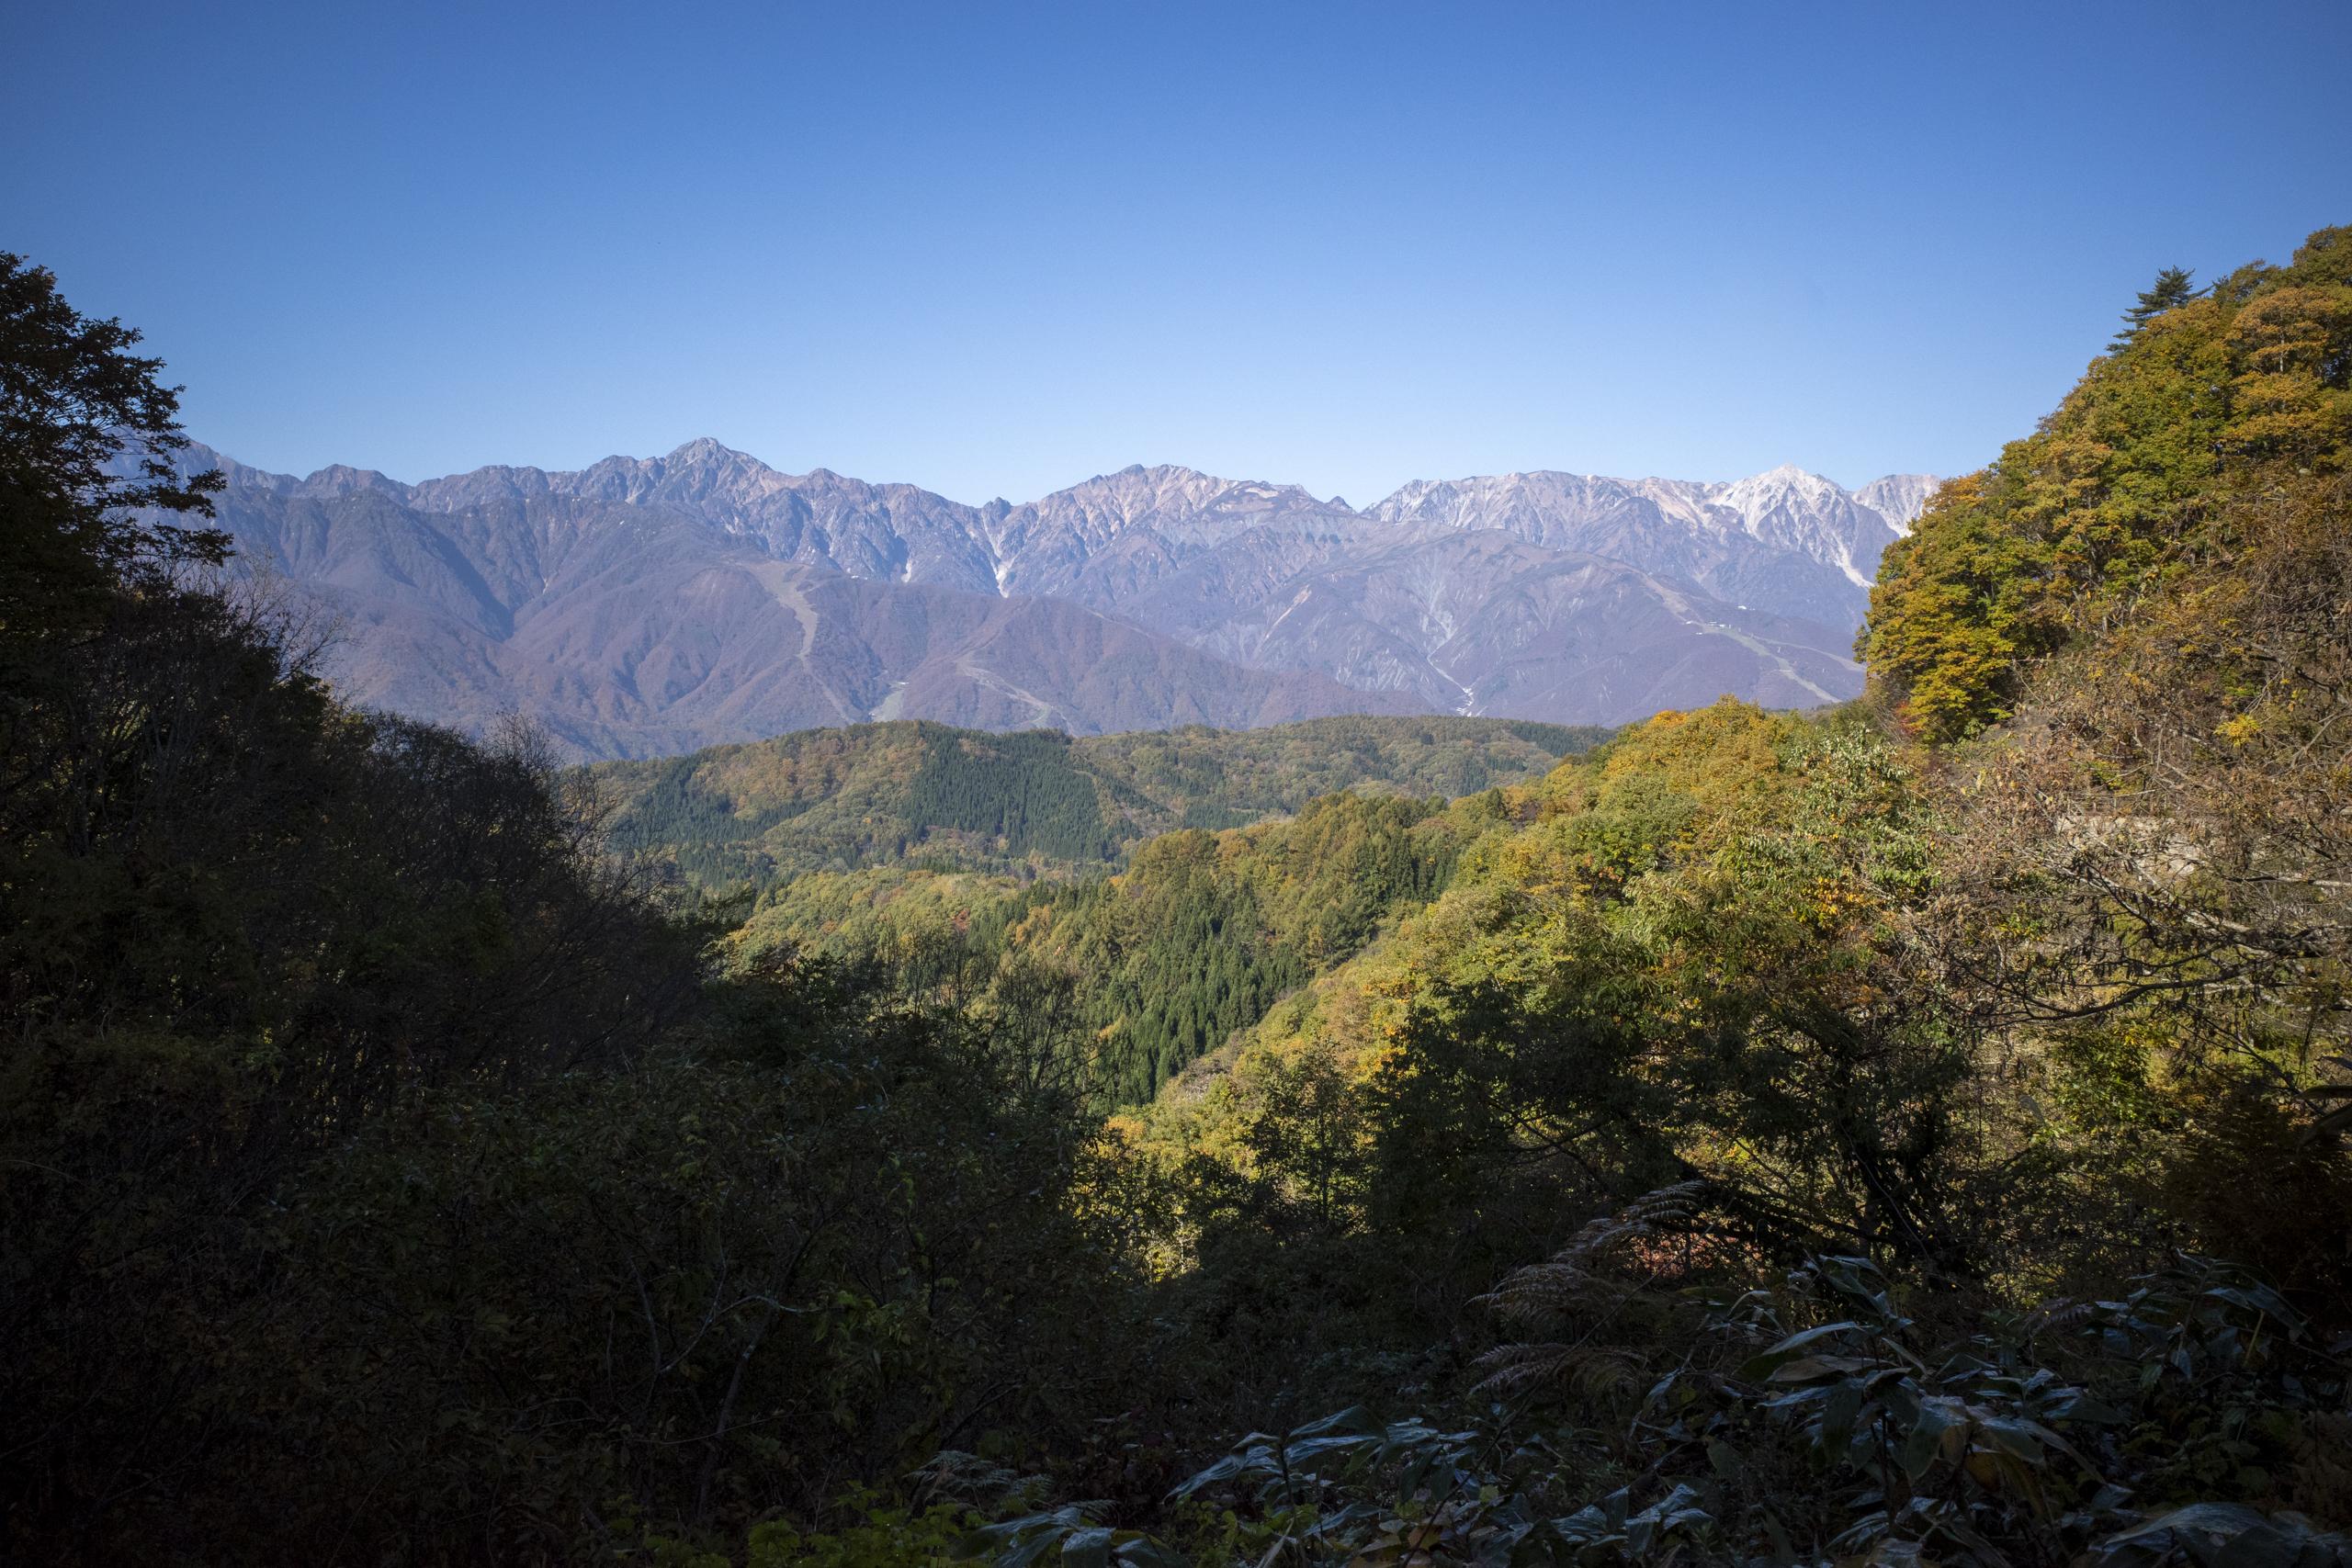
<point x="912" y="791"/>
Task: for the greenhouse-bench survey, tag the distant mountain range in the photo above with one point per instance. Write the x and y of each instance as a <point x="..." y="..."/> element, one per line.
<point x="646" y="606"/>
<point x="633" y="632"/>
<point x="1786" y="541"/>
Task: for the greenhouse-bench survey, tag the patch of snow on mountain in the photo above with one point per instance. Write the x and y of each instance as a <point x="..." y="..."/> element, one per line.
<point x="1899" y="498"/>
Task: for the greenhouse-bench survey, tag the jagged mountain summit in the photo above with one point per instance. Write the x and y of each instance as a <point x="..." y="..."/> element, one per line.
<point x="890" y="532"/>
<point x="630" y="603"/>
<point x="1786" y="541"/>
<point x="1899" y="498"/>
<point x="631" y="631"/>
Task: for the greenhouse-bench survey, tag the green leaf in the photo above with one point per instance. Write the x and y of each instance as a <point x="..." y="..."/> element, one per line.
<point x="1814" y="1369"/>
<point x="1088" y="1547"/>
<point x="1799" y="1340"/>
<point x="1838" y="1413"/>
<point x="1925" y="1440"/>
<point x="1355" y="1419"/>
<point x="2265" y="1546"/>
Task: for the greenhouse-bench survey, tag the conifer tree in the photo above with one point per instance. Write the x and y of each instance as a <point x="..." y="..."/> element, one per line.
<point x="72" y="399"/>
<point x="2172" y="289"/>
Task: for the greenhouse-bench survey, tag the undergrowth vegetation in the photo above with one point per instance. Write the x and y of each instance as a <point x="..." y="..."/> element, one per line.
<point x="1901" y="1135"/>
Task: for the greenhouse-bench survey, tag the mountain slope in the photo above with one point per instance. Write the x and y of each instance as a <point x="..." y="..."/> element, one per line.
<point x="630" y="630"/>
<point x="891" y="531"/>
<point x="1484" y="622"/>
<point x="639" y="598"/>
<point x="1899" y="498"/>
<point x="1785" y="541"/>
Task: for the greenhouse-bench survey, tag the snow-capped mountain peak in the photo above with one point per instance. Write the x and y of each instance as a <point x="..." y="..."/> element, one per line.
<point x="1788" y="540"/>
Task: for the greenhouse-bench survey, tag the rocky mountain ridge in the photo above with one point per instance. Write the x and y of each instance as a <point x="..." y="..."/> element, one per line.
<point x="1785" y="541"/>
<point x="631" y="631"/>
<point x="657" y="603"/>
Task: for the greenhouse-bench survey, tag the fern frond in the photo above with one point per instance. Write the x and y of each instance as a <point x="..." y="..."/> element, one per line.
<point x="1542" y="1289"/>
<point x="1584" y="1368"/>
<point x="1568" y="1282"/>
<point x="2063" y="1313"/>
<point x="954" y="1475"/>
<point x="1665" y="1208"/>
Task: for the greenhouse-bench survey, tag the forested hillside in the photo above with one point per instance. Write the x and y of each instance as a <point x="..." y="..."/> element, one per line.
<point x="2163" y="480"/>
<point x="921" y="794"/>
<point x="1163" y="963"/>
<point x="1906" y="1133"/>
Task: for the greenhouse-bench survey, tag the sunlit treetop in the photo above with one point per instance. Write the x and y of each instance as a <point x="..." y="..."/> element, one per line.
<point x="2127" y="484"/>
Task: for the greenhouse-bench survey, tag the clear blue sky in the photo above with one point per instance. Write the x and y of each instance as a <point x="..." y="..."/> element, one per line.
<point x="994" y="250"/>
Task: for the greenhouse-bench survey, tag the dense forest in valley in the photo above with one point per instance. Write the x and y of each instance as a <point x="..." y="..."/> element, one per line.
<point x="1906" y="1133"/>
<point x="1162" y="964"/>
<point x="914" y="793"/>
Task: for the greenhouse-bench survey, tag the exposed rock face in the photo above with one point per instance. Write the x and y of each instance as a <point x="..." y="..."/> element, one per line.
<point x="894" y="533"/>
<point x="628" y="594"/>
<point x="1899" y="498"/>
<point x="631" y="631"/>
<point x="1106" y="539"/>
<point x="1483" y="622"/>
<point x="1785" y="541"/>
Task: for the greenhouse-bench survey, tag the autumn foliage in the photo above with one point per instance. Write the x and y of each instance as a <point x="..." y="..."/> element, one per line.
<point x="2136" y="482"/>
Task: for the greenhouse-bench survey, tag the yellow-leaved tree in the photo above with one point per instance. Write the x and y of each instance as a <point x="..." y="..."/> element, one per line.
<point x="2132" y="483"/>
